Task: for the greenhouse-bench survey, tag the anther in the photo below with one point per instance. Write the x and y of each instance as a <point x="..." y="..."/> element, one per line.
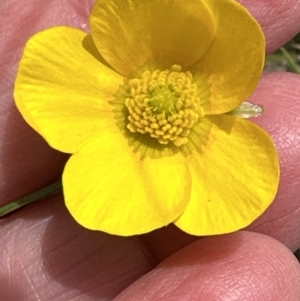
<point x="164" y="104"/>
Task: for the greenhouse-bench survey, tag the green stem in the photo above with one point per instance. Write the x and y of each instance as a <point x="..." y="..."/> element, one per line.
<point x="33" y="197"/>
<point x="292" y="62"/>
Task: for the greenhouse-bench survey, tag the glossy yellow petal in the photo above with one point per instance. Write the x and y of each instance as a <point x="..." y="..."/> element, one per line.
<point x="63" y="88"/>
<point x="234" y="61"/>
<point x="130" y="32"/>
<point x="234" y="180"/>
<point x="108" y="187"/>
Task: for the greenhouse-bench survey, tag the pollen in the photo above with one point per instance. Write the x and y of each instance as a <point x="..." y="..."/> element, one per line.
<point x="164" y="104"/>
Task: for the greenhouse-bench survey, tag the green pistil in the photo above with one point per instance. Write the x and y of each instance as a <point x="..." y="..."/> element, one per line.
<point x="163" y="101"/>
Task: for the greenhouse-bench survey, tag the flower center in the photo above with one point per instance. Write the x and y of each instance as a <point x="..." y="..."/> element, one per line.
<point x="164" y="104"/>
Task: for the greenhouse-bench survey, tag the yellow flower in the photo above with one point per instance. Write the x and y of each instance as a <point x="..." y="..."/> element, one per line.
<point x="141" y="104"/>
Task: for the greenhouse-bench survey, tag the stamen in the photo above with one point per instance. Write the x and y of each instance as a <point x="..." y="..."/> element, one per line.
<point x="164" y="104"/>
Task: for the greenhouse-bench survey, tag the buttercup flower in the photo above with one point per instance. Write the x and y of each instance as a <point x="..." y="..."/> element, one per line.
<point x="144" y="105"/>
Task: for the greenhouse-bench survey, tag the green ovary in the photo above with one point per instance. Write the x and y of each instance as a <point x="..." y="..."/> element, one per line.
<point x="163" y="100"/>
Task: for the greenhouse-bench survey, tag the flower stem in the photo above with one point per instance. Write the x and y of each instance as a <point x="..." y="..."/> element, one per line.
<point x="291" y="61"/>
<point x="33" y="197"/>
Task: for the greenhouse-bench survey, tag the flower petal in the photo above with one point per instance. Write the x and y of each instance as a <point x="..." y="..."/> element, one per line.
<point x="108" y="187"/>
<point x="62" y="87"/>
<point x="234" y="62"/>
<point x="234" y="180"/>
<point x="128" y="33"/>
